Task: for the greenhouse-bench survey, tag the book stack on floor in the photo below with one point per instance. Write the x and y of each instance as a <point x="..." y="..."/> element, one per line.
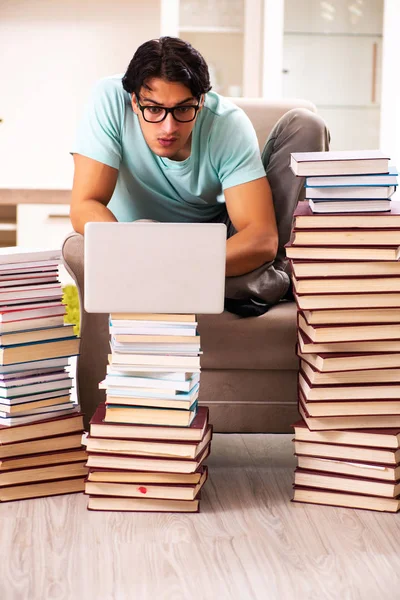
<point x="149" y="440"/>
<point x="40" y="424"/>
<point x="346" y="279"/>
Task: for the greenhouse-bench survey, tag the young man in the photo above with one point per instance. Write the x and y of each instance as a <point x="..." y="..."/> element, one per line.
<point x="158" y="144"/>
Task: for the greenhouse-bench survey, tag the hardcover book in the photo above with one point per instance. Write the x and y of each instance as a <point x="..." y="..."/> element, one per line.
<point x="306" y="219"/>
<point x="346" y="483"/>
<point x="348" y="377"/>
<point x="343" y="316"/>
<point x="353" y="285"/>
<point x="345" y="452"/>
<point x="360" y="300"/>
<point x="145" y="490"/>
<point x="363" y="193"/>
<point x="389" y="178"/>
<point x="349" y="333"/>
<point x="376" y="438"/>
<point x="339" y="162"/>
<point x="144" y="463"/>
<point x="114" y="476"/>
<point x="172" y="449"/>
<point x="150" y="416"/>
<point x="349" y="206"/>
<point x="348" y="500"/>
<point x="345" y="466"/>
<point x="142" y="504"/>
<point x="347" y="362"/>
<point x="41" y="489"/>
<point x="49" y="427"/>
<point x="337" y="253"/>
<point x="348" y="422"/>
<point x="368" y="346"/>
<point x="196" y="431"/>
<point x="307" y="269"/>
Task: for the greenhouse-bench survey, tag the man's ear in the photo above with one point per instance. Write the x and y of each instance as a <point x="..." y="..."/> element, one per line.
<point x="202" y="100"/>
<point x="135" y="107"/>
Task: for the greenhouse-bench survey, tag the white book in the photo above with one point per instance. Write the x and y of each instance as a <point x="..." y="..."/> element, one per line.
<point x="6" y="284"/>
<point x="32" y="418"/>
<point x="139" y="393"/>
<point x="30" y="267"/>
<point x="32" y="310"/>
<point x="160" y="373"/>
<point x="354" y="180"/>
<point x="29" y="290"/>
<point x="30" y="377"/>
<point x="155" y="360"/>
<point x="19" y="254"/>
<point x="147" y="382"/>
<point x="54" y="393"/>
<point x="349" y="206"/>
<point x="20" y="393"/>
<point x="31" y="324"/>
<point x="37" y="365"/>
<point x="149" y="329"/>
<point x="363" y="193"/>
<point x="161" y="348"/>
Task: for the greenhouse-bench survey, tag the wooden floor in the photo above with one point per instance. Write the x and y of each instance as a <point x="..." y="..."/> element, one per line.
<point x="248" y="542"/>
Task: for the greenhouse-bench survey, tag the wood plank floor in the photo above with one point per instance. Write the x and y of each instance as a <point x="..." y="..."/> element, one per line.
<point x="249" y="542"/>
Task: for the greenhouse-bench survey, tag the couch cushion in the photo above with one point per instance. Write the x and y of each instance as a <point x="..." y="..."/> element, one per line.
<point x="265" y="342"/>
<point x="265" y="113"/>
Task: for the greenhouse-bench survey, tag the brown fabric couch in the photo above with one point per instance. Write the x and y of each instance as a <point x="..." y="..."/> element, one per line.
<point x="249" y="366"/>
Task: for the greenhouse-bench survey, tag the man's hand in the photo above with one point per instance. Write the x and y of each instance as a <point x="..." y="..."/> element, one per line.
<point x="251" y="210"/>
<point x="94" y="184"/>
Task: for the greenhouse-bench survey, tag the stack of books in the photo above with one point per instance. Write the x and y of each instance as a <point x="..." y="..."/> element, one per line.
<point x="346" y="279"/>
<point x="350" y="181"/>
<point x="149" y="440"/>
<point x="40" y="423"/>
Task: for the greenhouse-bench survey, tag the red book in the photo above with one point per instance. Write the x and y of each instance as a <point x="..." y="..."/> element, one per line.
<point x="345" y="499"/>
<point x="43" y="459"/>
<point x="56" y="487"/>
<point x="143" y="504"/>
<point x="147" y="463"/>
<point x="166" y="491"/>
<point x="117" y="476"/>
<point x="167" y="448"/>
<point x="46" y="428"/>
<point x="374" y="438"/>
<point x="306" y="219"/>
<point x="347" y="422"/>
<point x="347" y="483"/>
<point x="195" y="432"/>
<point x="349" y="347"/>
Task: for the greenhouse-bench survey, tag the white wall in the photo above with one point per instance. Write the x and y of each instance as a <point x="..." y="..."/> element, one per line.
<point x="51" y="53"/>
<point x="390" y="103"/>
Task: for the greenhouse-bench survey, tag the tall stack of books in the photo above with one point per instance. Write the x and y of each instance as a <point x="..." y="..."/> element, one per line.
<point x="346" y="278"/>
<point x="148" y="442"/>
<point x="40" y="424"/>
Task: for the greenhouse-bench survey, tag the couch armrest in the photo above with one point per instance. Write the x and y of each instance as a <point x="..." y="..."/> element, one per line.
<point x="94" y="347"/>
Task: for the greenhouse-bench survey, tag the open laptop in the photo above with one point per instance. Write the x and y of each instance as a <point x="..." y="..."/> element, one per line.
<point x="146" y="267"/>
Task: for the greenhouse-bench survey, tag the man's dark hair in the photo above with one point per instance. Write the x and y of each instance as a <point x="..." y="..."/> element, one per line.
<point x="171" y="59"/>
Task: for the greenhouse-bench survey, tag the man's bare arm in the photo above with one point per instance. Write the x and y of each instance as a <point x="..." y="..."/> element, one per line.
<point x="251" y="210"/>
<point x="93" y="186"/>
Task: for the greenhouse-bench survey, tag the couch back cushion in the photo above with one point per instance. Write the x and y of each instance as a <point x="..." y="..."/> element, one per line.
<point x="265" y="113"/>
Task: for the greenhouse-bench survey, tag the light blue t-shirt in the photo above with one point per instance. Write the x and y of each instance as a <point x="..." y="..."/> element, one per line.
<point x="224" y="153"/>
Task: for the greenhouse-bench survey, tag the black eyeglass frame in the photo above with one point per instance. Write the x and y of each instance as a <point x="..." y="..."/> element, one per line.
<point x="169" y="110"/>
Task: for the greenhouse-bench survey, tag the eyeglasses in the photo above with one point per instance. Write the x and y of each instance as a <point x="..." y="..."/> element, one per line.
<point x="156" y="114"/>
